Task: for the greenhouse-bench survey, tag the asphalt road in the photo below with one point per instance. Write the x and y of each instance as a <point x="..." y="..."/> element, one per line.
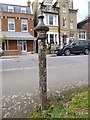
<point x="19" y="80"/>
<point x="21" y="74"/>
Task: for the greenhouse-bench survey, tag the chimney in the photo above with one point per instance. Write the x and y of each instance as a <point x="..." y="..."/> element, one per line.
<point x="28" y="3"/>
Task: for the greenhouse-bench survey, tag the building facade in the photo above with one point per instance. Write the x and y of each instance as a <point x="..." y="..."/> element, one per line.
<point x="82" y="34"/>
<point x="50" y="14"/>
<point x="85" y="26"/>
<point x="51" y="20"/>
<point x="17" y="25"/>
<point x="68" y="21"/>
<point x="61" y="19"/>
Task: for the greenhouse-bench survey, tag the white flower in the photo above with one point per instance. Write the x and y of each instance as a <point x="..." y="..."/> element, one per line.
<point x="7" y="114"/>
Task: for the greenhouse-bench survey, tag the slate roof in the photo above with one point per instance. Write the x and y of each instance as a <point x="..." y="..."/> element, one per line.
<point x="17" y="8"/>
<point x="17" y="35"/>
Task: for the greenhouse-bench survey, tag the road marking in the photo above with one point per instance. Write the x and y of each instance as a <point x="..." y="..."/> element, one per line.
<point x="5" y="70"/>
<point x="5" y="59"/>
<point x="48" y="67"/>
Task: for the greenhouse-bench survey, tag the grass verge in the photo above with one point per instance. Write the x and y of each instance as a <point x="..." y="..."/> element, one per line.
<point x="76" y="107"/>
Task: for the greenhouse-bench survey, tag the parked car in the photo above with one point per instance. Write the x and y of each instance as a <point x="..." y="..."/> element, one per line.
<point x="1" y="51"/>
<point x="76" y="47"/>
<point x="88" y="43"/>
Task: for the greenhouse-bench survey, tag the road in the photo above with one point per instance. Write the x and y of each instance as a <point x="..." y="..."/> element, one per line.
<point x="20" y="75"/>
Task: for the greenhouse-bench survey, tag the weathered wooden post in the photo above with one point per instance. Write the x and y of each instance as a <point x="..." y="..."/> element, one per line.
<point x="41" y="30"/>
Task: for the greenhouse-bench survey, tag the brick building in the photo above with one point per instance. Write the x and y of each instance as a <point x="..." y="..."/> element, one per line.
<point x="17" y="25"/>
<point x="84" y="25"/>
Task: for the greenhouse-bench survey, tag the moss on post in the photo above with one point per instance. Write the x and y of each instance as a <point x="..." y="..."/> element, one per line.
<point x="41" y="29"/>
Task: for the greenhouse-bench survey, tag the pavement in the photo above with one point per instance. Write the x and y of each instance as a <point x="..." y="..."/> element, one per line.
<point x="8" y="57"/>
<point x="21" y="56"/>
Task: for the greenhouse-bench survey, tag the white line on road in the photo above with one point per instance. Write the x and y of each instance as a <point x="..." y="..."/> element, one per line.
<point x="5" y="70"/>
<point x="5" y="59"/>
<point x="17" y="69"/>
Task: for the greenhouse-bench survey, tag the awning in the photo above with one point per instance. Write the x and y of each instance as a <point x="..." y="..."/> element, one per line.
<point x="17" y="35"/>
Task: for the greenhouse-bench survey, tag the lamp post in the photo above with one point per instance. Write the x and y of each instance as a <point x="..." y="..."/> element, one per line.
<point x="41" y="30"/>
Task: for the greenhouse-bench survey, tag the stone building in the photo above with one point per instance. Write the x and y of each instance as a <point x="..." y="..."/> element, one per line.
<point x="50" y="19"/>
<point x="61" y="19"/>
<point x="68" y="21"/>
<point x="17" y="25"/>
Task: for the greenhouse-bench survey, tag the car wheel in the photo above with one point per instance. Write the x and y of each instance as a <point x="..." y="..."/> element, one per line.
<point x="67" y="52"/>
<point x="86" y="51"/>
<point x="57" y="54"/>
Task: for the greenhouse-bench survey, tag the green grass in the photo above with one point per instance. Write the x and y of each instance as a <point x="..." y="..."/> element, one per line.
<point x="77" y="107"/>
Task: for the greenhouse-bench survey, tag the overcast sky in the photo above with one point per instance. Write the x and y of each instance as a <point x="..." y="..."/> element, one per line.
<point x="81" y="5"/>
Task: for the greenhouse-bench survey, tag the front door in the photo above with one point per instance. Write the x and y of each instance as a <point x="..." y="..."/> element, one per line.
<point x="23" y="46"/>
<point x="64" y="39"/>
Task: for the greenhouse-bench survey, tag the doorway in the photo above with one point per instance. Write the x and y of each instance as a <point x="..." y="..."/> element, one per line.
<point x="64" y="39"/>
<point x="23" y="46"/>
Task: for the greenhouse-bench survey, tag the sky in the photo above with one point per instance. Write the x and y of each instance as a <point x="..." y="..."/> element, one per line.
<point x="81" y="5"/>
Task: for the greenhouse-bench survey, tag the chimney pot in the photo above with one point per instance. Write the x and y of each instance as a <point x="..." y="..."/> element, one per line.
<point x="28" y="3"/>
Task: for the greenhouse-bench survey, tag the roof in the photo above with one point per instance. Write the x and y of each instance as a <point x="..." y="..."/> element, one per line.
<point x="84" y="20"/>
<point x="17" y="8"/>
<point x="17" y="35"/>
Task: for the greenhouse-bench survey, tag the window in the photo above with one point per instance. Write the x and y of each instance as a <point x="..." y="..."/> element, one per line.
<point x="48" y="7"/>
<point x="47" y="39"/>
<point x="11" y="24"/>
<point x="55" y="20"/>
<point x="0" y="24"/>
<point x="24" y="26"/>
<point x="82" y="35"/>
<point x="71" y="35"/>
<point x="51" y="38"/>
<point x="51" y="19"/>
<point x="64" y="22"/>
<point x="55" y="38"/>
<point x="46" y="19"/>
<point x="64" y="9"/>
<point x="76" y="42"/>
<point x="71" y="24"/>
<point x="82" y="42"/>
<point x="23" y="10"/>
<point x="10" y="9"/>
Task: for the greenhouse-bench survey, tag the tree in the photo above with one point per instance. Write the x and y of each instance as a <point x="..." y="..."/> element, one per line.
<point x="2" y="39"/>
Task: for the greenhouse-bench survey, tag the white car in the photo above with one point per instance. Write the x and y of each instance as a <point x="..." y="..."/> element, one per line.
<point x="1" y="51"/>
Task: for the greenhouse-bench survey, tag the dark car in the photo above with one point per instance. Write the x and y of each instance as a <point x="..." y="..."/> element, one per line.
<point x="76" y="47"/>
<point x="88" y="43"/>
